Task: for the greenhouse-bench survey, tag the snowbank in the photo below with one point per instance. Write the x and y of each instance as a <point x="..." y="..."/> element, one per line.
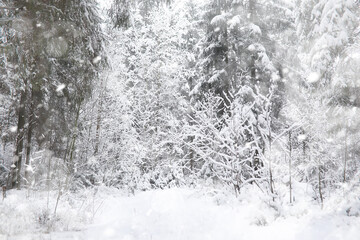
<point x="181" y="213"/>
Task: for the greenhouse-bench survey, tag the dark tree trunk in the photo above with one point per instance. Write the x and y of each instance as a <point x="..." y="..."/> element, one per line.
<point x="70" y="162"/>
<point x="320" y="190"/>
<point x="28" y="144"/>
<point x="16" y="171"/>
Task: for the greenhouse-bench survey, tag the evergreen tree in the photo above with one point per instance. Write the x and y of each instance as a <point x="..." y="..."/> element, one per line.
<point x="237" y="68"/>
<point x="54" y="45"/>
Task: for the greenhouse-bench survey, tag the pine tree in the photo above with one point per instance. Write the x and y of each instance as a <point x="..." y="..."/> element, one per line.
<point x="53" y="81"/>
<point x="327" y="29"/>
<point x="237" y="68"/>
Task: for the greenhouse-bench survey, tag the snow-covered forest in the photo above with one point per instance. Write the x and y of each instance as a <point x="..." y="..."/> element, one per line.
<point x="180" y="119"/>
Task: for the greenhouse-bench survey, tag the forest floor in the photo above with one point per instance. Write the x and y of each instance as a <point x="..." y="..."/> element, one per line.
<point x="171" y="214"/>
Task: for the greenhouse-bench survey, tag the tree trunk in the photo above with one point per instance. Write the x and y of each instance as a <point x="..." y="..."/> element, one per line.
<point x="28" y="146"/>
<point x="98" y="128"/>
<point x="98" y="119"/>
<point x="16" y="171"/>
<point x="320" y="191"/>
<point x="70" y="162"/>
<point x="29" y="137"/>
<point x="290" y="183"/>
<point x="48" y="155"/>
<point x="270" y="167"/>
<point x="345" y="156"/>
<point x="304" y="145"/>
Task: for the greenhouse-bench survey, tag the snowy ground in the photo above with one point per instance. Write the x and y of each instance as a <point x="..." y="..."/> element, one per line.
<point x="180" y="214"/>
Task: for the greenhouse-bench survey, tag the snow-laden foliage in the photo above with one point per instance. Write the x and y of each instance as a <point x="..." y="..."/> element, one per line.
<point x="326" y="27"/>
<point x="254" y="97"/>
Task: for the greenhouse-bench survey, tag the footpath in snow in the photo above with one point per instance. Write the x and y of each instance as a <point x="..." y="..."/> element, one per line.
<point x="180" y="214"/>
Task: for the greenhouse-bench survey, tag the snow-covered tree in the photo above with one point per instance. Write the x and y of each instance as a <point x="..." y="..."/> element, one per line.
<point x="325" y="28"/>
<point x="236" y="67"/>
<point x="146" y="98"/>
<point x="52" y="47"/>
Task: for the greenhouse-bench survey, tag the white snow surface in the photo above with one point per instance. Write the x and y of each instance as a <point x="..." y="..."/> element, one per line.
<point x="197" y="214"/>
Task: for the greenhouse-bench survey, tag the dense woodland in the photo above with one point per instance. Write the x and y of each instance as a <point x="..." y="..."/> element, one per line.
<point x="163" y="93"/>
